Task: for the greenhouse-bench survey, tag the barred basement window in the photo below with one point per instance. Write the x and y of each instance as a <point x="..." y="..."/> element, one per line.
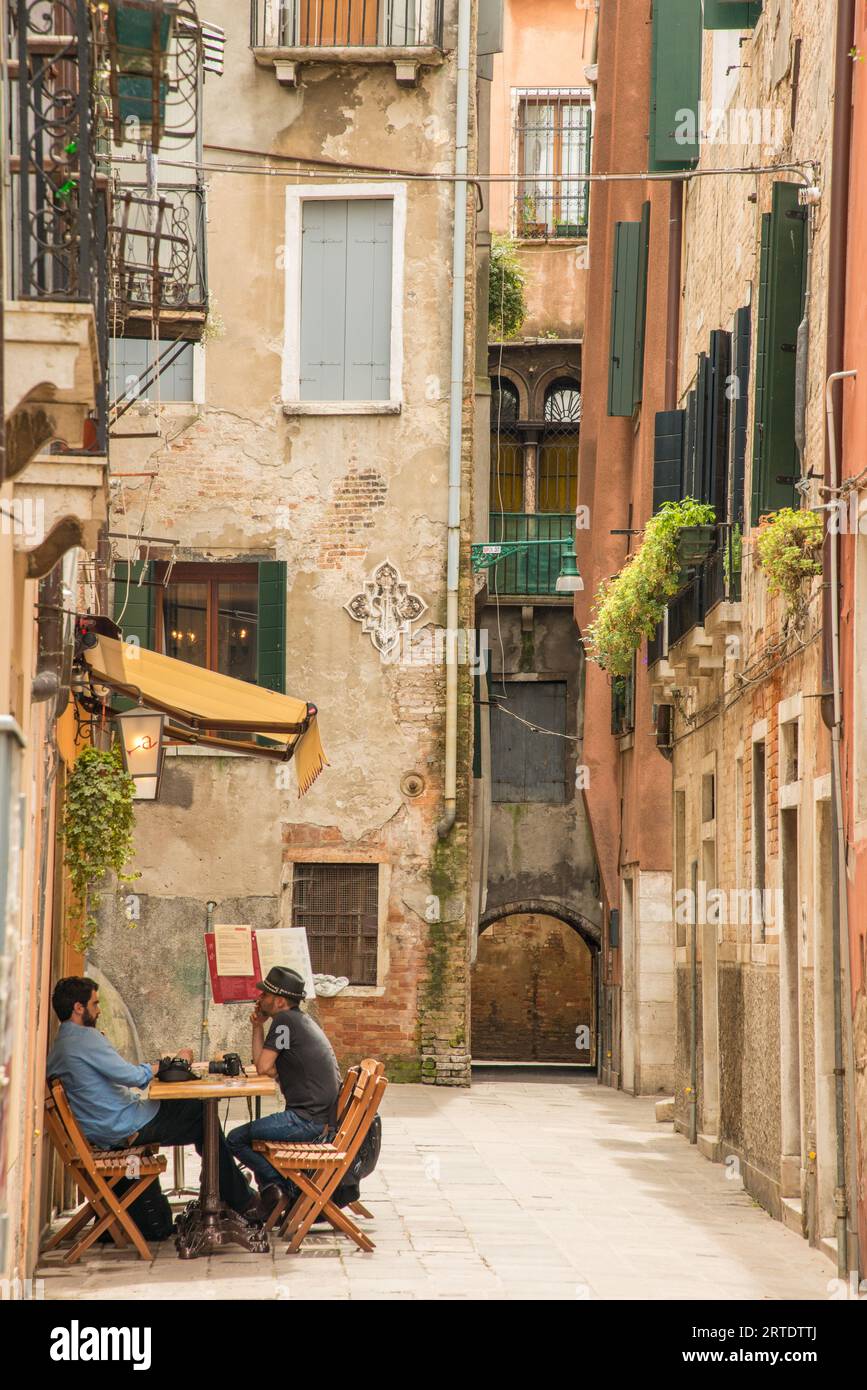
<point x="338" y="907"/>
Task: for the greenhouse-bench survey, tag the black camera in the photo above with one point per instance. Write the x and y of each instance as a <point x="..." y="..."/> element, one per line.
<point x="231" y="1065"/>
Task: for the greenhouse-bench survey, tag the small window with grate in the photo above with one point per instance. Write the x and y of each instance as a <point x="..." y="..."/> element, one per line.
<point x="338" y="907"/>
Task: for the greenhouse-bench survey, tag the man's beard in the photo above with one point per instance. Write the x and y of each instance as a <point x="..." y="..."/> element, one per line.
<point x="89" y="1022"/>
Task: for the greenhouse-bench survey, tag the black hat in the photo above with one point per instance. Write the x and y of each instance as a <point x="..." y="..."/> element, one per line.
<point x="279" y="980"/>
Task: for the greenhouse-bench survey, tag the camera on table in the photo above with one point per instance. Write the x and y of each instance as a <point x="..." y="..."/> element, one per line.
<point x="231" y="1065"/>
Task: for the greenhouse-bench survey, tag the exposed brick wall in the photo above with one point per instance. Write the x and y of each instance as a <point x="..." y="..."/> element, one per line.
<point x="532" y="987"/>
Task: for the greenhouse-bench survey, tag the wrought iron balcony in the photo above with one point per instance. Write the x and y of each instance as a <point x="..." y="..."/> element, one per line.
<point x="158" y="261"/>
<point x="55" y="237"/>
<point x="536" y="570"/>
<point x="328" y="24"/>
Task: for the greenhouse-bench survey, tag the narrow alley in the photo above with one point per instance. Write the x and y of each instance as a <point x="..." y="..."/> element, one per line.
<point x="531" y="1185"/>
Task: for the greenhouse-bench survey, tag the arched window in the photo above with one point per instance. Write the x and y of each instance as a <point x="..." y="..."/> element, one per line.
<point x="507" y="462"/>
<point x="504" y="403"/>
<point x="558" y="454"/>
<point x="563" y="403"/>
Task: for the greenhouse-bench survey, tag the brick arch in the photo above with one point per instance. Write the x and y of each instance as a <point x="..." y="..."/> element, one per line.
<point x="563" y="371"/>
<point x="543" y="907"/>
<point x="534" y="987"/>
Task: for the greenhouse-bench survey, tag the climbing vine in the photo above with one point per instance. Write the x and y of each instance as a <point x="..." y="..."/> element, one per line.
<point x="98" y="822"/>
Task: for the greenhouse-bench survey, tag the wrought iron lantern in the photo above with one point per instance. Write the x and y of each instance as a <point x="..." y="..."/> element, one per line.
<point x="141" y="742"/>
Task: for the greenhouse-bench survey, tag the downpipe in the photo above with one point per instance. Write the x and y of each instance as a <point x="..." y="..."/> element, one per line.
<point x="844" y="1043"/>
<point x="456" y="409"/>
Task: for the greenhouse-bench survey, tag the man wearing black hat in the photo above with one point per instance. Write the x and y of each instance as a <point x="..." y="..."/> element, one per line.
<point x="297" y="1051"/>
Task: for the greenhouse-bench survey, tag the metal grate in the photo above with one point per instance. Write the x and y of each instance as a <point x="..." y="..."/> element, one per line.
<point x="338" y="907"/>
<point x="552" y="137"/>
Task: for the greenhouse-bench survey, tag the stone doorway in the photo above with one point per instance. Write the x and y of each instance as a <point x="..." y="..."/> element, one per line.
<point x="534" y="992"/>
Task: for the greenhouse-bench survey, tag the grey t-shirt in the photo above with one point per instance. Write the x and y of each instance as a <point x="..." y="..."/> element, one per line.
<point x="306" y="1065"/>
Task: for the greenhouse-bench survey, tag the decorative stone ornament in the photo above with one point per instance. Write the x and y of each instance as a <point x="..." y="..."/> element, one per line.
<point x="385" y="608"/>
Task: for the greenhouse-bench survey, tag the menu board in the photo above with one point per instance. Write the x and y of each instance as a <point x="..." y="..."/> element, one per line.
<point x="249" y="955"/>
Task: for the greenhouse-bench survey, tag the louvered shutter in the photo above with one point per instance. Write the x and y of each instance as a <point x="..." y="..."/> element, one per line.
<point x="732" y="14"/>
<point x="271" y="666"/>
<point x="718" y="438"/>
<point x="761" y="366"/>
<point x="779" y="465"/>
<point x="739" y="406"/>
<point x="624" y="318"/>
<point x="668" y="451"/>
<point x="675" y="85"/>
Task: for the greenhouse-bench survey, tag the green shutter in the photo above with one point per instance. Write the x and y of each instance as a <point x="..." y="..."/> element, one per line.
<point x="624" y="318"/>
<point x="271" y="671"/>
<point x="668" y="442"/>
<point x="732" y="14"/>
<point x="718" y="439"/>
<point x="761" y="367"/>
<point x="641" y="308"/>
<point x="675" y="85"/>
<point x="779" y="466"/>
<point x="740" y="404"/>
<point x="136" y="604"/>
<point x="690" y="485"/>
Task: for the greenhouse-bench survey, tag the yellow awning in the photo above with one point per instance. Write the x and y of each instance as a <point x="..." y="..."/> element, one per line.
<point x="207" y="703"/>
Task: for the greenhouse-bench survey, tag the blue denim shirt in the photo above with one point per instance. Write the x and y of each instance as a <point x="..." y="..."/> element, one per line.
<point x="96" y="1080"/>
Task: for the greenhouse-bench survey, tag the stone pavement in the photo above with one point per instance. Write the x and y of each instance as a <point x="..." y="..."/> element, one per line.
<point x="529" y="1185"/>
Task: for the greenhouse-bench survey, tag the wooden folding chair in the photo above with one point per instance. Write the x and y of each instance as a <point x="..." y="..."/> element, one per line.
<point x="96" y="1172"/>
<point x="318" y="1168"/>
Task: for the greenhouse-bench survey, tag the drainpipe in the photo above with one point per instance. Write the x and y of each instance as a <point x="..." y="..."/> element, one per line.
<point x="845" y="1197"/>
<point x="206" y="985"/>
<point x="456" y="411"/>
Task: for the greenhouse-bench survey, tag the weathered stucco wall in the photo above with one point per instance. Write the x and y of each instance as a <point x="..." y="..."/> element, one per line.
<point x="333" y="495"/>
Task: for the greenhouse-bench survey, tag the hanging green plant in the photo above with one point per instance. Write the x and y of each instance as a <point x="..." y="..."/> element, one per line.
<point x="98" y="821"/>
<point x="628" y="607"/>
<point x="789" y="550"/>
<point x="507" y="306"/>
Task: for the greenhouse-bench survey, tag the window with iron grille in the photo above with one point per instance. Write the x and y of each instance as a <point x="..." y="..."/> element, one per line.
<point x="507" y="454"/>
<point x="338" y="907"/>
<point x="552" y="137"/>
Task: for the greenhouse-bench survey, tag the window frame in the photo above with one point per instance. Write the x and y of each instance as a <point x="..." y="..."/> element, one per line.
<point x="559" y="97"/>
<point x="212" y="573"/>
<point x="291" y="366"/>
<point x="346" y="859"/>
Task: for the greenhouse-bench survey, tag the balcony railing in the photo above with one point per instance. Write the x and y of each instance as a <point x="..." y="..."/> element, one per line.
<point x="346" y="23"/>
<point x="159" y="271"/>
<point x="536" y="570"/>
<point x="718" y="580"/>
<point x="55" y="250"/>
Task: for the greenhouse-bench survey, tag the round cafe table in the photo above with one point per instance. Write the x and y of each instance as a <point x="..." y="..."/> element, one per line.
<point x="208" y="1224"/>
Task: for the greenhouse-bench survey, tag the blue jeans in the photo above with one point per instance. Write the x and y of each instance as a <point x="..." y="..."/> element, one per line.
<point x="285" y="1124"/>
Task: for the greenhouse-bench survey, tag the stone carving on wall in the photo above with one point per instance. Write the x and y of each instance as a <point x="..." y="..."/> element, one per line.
<point x="385" y="607"/>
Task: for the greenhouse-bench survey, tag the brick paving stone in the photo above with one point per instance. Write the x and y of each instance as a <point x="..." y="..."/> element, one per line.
<point x="515" y="1189"/>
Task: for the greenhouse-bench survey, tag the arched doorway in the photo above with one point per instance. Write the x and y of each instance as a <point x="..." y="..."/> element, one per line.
<point x="534" y="995"/>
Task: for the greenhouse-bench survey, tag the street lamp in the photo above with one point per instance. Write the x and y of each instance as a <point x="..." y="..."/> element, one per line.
<point x="141" y="744"/>
<point x="569" y="580"/>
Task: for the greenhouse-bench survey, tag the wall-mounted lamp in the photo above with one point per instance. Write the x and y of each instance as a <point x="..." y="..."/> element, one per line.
<point x="141" y="741"/>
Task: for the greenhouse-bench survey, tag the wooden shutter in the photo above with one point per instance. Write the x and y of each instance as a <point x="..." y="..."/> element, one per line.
<point x="136" y="603"/>
<point x="346" y="299"/>
<point x="779" y="465"/>
<point x="271" y="671"/>
<point x="740" y="370"/>
<point x="529" y="766"/>
<point x="323" y="300"/>
<point x="624" y="318"/>
<point x="691" y="485"/>
<point x="641" y="307"/>
<point x="668" y="450"/>
<point x="675" y="85"/>
<point x="761" y="366"/>
<point x="719" y="363"/>
<point x="368" y="300"/>
<point x="731" y="14"/>
<point x="703" y="429"/>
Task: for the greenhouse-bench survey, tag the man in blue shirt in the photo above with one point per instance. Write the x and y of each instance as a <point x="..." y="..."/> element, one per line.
<point x="96" y="1080"/>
